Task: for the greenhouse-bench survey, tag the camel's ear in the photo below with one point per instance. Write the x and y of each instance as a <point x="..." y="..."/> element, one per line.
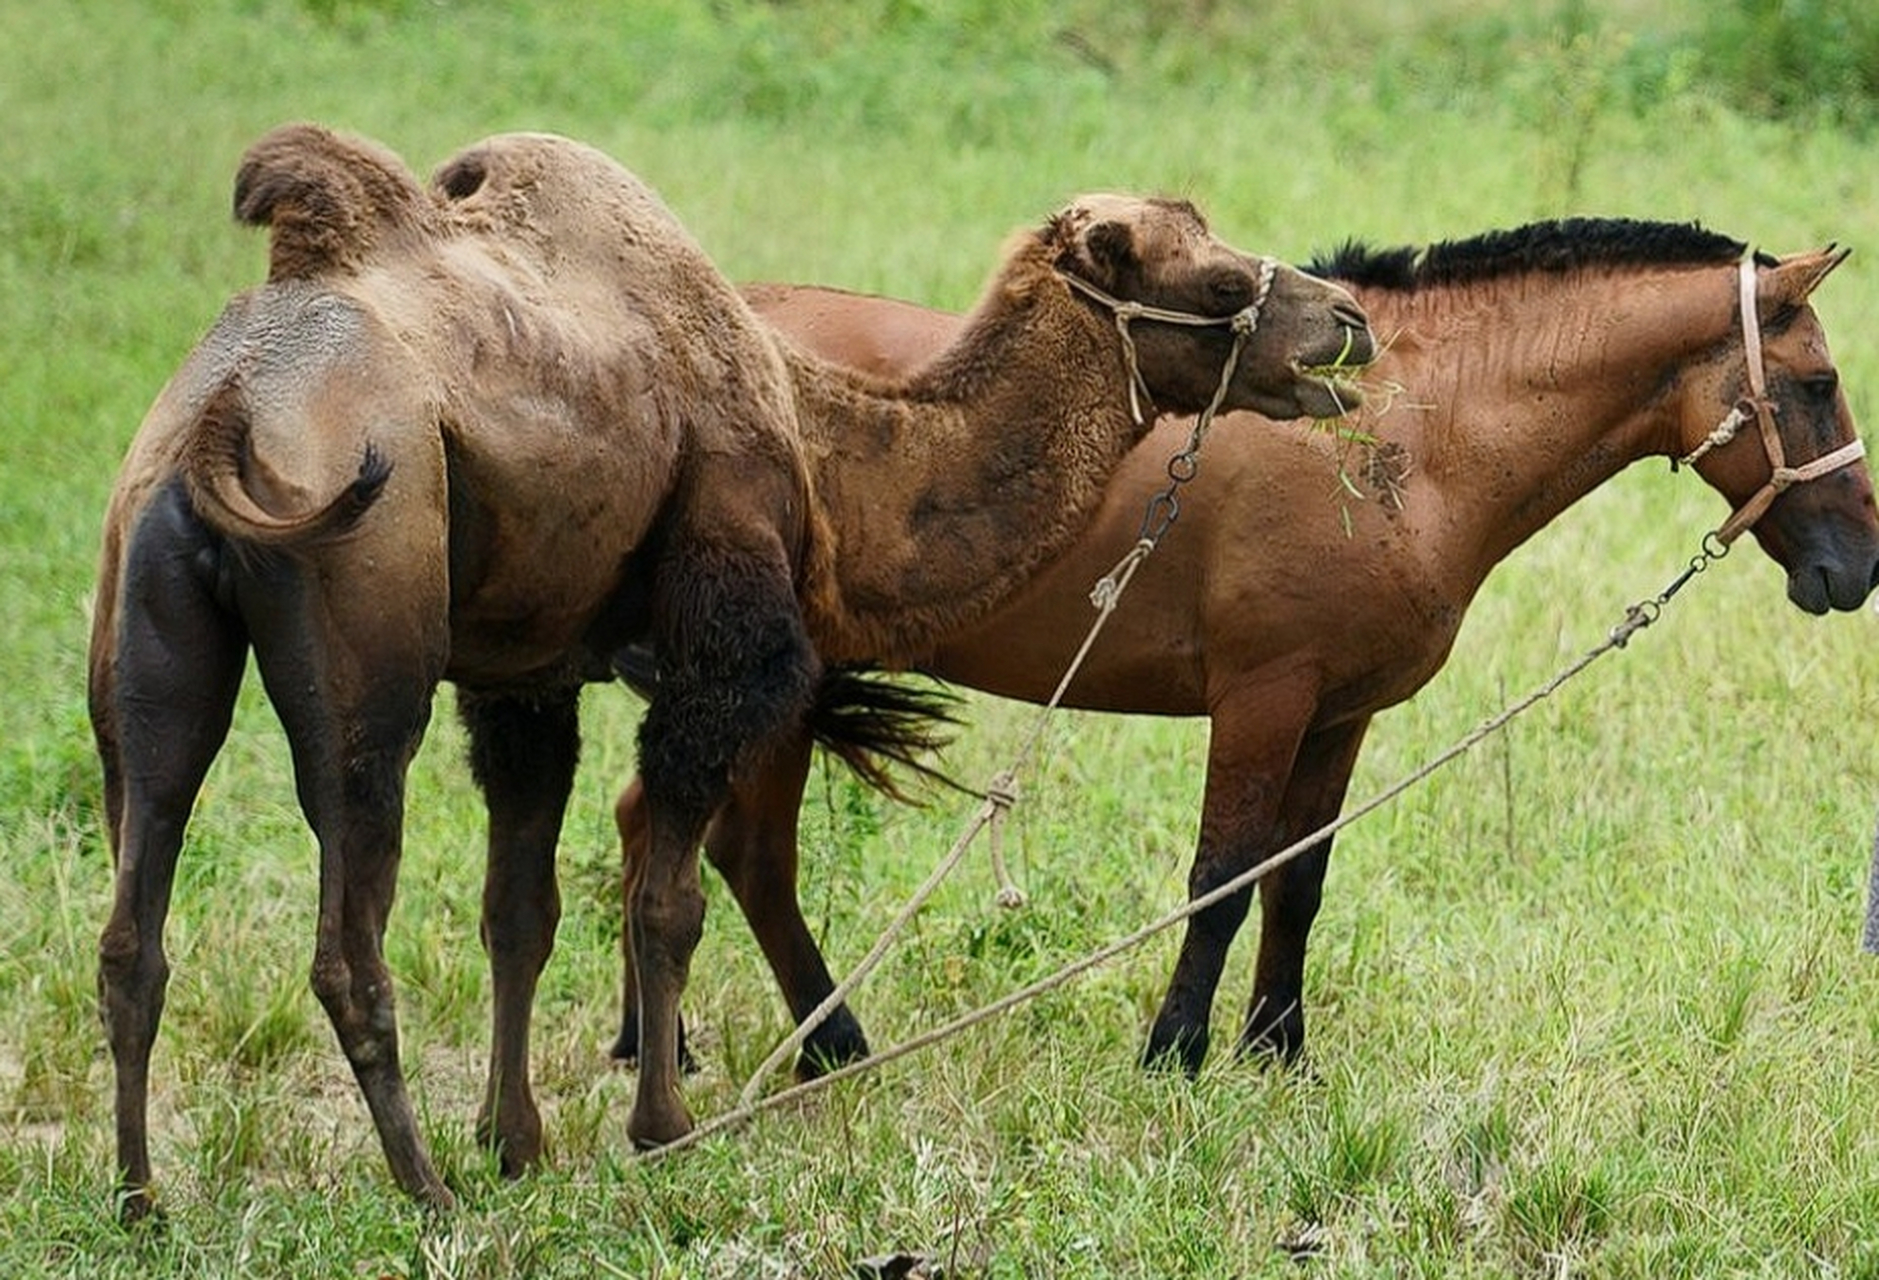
<point x="1792" y="279"/>
<point x="1110" y="247"/>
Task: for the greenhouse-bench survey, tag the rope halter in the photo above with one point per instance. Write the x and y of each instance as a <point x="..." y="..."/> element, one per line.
<point x="1757" y="404"/>
<point x="1243" y="323"/>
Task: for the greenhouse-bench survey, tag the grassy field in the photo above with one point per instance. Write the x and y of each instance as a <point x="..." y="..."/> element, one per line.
<point x="1588" y="1003"/>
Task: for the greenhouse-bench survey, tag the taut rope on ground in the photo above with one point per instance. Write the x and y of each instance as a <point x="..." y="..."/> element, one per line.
<point x="1637" y="617"/>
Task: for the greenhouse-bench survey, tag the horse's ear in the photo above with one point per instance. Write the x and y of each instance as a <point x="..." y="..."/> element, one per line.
<point x="1792" y="279"/>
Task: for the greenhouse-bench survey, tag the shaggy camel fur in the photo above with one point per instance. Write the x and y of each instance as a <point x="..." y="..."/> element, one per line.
<point x="495" y="431"/>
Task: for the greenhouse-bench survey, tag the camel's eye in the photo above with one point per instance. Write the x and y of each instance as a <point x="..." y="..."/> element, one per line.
<point x="1229" y="291"/>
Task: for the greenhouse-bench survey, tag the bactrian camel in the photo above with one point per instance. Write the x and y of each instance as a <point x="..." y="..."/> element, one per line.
<point x="496" y="430"/>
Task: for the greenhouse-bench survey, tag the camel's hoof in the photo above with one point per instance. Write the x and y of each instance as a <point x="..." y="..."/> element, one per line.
<point x="517" y="1147"/>
<point x="137" y="1208"/>
<point x="652" y="1128"/>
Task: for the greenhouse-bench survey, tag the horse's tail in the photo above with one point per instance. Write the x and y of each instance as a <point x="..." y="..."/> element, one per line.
<point x="218" y="459"/>
<point x="874" y="725"/>
<point x="871" y="723"/>
<point x="328" y="199"/>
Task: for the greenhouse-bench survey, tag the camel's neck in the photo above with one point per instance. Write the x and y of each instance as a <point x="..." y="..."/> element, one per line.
<point x="1520" y="396"/>
<point x="941" y="496"/>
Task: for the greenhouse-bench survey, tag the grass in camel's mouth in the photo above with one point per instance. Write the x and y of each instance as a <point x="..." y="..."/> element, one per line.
<point x="1341" y="376"/>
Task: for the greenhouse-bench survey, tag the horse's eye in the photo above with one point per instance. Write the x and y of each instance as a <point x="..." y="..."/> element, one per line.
<point x="1821" y="386"/>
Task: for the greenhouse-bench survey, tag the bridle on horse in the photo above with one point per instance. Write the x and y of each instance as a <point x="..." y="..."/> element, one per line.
<point x="1756" y="402"/>
<point x="1243" y="323"/>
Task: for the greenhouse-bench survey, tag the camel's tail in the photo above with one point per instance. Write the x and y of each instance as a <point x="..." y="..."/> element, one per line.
<point x="328" y="199"/>
<point x="873" y="724"/>
<point x="218" y="459"/>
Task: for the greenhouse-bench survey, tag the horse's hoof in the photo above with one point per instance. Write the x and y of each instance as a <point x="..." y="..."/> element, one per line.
<point x="838" y="1042"/>
<point x="1182" y="1051"/>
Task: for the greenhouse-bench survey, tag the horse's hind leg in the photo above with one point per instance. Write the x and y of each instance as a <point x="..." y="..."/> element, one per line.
<point x="752" y="842"/>
<point x="1289" y="895"/>
<point x="523" y="752"/>
<point x="351" y="674"/>
<point x="166" y="664"/>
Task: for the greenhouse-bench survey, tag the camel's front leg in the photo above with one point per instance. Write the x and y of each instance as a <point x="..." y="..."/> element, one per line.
<point x="523" y="752"/>
<point x="634" y="824"/>
<point x="1256" y="730"/>
<point x="735" y="673"/>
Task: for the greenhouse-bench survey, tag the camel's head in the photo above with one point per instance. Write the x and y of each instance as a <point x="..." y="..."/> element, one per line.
<point x="1309" y="335"/>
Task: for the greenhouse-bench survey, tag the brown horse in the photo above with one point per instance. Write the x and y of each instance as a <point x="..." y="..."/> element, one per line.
<point x="496" y="431"/>
<point x="1534" y="364"/>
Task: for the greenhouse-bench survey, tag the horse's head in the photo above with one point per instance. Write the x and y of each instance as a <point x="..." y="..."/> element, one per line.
<point x="1187" y="295"/>
<point x="1787" y="453"/>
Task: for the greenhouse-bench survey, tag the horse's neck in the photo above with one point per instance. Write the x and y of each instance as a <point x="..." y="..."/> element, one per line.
<point x="940" y="496"/>
<point x="1535" y="390"/>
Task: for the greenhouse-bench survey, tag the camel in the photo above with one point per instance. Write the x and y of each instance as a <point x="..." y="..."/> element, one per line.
<point x="1540" y="362"/>
<point x="494" y="431"/>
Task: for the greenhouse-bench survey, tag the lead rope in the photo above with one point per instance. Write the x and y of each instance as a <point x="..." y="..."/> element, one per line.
<point x="1636" y="618"/>
<point x="1002" y="792"/>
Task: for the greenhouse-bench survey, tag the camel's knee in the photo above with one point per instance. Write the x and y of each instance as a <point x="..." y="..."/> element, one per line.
<point x="1221" y="921"/>
<point x="629" y="819"/>
<point x="361" y="1010"/>
<point x="668" y="923"/>
<point x="132" y="982"/>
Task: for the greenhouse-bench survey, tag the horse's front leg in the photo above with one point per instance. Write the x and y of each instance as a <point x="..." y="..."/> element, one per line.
<point x="523" y="752"/>
<point x="1256" y="729"/>
<point x="1289" y="895"/>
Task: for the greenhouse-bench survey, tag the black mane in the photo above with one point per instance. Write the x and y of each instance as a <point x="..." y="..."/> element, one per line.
<point x="1563" y="245"/>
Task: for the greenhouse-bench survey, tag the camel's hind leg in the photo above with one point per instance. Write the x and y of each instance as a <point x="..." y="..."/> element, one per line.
<point x="166" y="664"/>
<point x="523" y="751"/>
<point x="735" y="670"/>
<point x="351" y="674"/>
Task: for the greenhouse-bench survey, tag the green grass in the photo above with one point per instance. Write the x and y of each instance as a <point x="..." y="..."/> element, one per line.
<point x="1586" y="1003"/>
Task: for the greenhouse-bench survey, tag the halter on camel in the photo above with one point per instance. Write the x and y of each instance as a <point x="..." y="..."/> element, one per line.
<point x="1182" y="467"/>
<point x="1243" y="322"/>
<point x="1780" y="475"/>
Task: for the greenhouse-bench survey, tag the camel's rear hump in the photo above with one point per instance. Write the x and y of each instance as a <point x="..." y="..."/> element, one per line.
<point x="330" y="200"/>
